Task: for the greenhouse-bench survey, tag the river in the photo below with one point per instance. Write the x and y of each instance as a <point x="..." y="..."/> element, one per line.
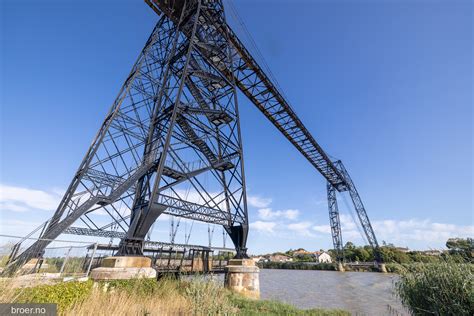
<point x="361" y="293"/>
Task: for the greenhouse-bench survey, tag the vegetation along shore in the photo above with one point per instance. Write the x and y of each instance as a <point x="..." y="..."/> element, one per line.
<point x="396" y="259"/>
<point x="149" y="297"/>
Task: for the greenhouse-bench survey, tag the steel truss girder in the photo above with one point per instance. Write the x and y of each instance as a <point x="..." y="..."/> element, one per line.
<point x="155" y="245"/>
<point x="181" y="208"/>
<point x="82" y="231"/>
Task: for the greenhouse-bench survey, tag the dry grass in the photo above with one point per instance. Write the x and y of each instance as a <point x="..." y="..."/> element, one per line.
<point x="8" y="294"/>
<point x="208" y="297"/>
<point x="131" y="297"/>
<point x="148" y="297"/>
<point x="123" y="303"/>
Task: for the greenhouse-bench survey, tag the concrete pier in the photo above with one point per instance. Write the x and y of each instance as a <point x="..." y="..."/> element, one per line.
<point x="382" y="268"/>
<point x="242" y="276"/>
<point x="122" y="268"/>
<point x="340" y="267"/>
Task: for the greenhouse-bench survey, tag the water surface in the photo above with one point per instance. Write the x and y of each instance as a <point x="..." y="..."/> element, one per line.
<point x="361" y="293"/>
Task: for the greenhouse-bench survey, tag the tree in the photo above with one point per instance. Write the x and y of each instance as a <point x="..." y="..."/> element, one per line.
<point x="349" y="254"/>
<point x="362" y="255"/>
<point x="349" y="245"/>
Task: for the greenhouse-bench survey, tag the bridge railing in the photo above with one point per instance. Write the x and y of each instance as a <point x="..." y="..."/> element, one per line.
<point x="61" y="259"/>
<point x="75" y="258"/>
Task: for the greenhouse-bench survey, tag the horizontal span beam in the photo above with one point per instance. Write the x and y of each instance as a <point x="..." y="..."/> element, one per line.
<point x="82" y="231"/>
<point x="260" y="90"/>
<point x="151" y="245"/>
<point x="198" y="212"/>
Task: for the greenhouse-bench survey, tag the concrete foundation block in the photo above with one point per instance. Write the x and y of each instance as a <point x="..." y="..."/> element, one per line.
<point x="123" y="268"/>
<point x="242" y="276"/>
<point x="126" y="262"/>
<point x="340" y="267"/>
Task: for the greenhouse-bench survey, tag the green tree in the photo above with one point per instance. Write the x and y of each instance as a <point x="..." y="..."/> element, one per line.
<point x="362" y="255"/>
<point x="349" y="245"/>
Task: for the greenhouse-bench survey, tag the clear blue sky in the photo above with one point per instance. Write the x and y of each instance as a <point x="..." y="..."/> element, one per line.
<point x="386" y="86"/>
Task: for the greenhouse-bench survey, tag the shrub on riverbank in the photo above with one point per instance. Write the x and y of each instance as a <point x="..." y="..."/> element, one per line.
<point x="444" y="288"/>
<point x="400" y="268"/>
<point x="149" y="297"/>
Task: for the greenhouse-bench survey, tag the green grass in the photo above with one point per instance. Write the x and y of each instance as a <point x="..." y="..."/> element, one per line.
<point x="444" y="288"/>
<point x="262" y="307"/>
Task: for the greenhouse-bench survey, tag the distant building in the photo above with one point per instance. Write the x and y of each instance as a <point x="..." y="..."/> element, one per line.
<point x="279" y="258"/>
<point x="317" y="256"/>
<point x="432" y="252"/>
<point x="323" y="257"/>
<point x="402" y="249"/>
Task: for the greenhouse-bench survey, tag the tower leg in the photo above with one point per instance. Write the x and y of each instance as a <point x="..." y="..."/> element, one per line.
<point x="335" y="226"/>
<point x="363" y="217"/>
<point x="238" y="235"/>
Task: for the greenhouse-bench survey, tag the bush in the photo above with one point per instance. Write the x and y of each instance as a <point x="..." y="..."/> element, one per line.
<point x="444" y="288"/>
<point x="138" y="287"/>
<point x="404" y="267"/>
<point x="64" y="294"/>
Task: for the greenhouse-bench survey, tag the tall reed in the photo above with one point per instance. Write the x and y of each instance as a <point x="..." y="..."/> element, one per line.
<point x="444" y="288"/>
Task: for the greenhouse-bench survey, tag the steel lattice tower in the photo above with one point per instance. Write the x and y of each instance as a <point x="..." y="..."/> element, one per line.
<point x="171" y="142"/>
<point x="174" y="122"/>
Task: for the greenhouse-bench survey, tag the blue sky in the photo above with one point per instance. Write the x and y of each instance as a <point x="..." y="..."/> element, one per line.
<point x="386" y="86"/>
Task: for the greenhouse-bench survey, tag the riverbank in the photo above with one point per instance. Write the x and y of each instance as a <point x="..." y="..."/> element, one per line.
<point x="301" y="265"/>
<point x="150" y="297"/>
<point x="297" y="265"/>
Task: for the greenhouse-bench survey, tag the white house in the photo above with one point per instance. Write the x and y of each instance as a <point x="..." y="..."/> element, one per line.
<point x="324" y="257"/>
